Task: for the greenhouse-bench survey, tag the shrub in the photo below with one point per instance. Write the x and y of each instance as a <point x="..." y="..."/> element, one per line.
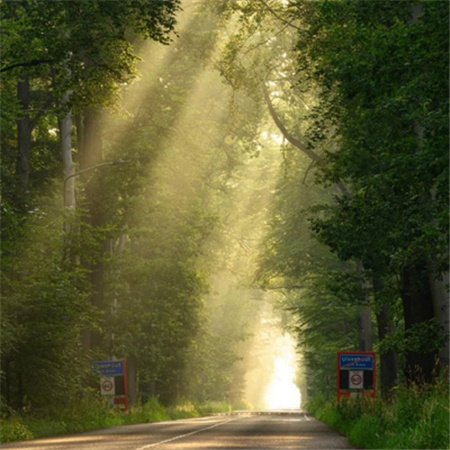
<point x="92" y="412"/>
<point x="416" y="418"/>
<point x="14" y="430"/>
<point x="183" y="410"/>
<point x="155" y="411"/>
<point x="367" y="431"/>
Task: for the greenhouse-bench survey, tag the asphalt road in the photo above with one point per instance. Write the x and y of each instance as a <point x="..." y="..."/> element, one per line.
<point x="242" y="430"/>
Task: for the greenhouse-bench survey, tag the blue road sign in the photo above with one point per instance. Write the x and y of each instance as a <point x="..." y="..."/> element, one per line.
<point x="108" y="368"/>
<point x="354" y="361"/>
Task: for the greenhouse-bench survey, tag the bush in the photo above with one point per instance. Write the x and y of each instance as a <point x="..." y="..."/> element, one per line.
<point x="14" y="430"/>
<point x="217" y="407"/>
<point x="183" y="410"/>
<point x="155" y="411"/>
<point x="88" y="413"/>
<point x="416" y="418"/>
<point x="366" y="431"/>
<point x="314" y="404"/>
<point x="329" y="414"/>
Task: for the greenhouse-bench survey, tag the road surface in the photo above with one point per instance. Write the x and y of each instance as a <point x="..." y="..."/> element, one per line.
<point x="241" y="430"/>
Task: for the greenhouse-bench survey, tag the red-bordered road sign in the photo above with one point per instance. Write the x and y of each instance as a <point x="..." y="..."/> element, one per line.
<point x="107" y="386"/>
<point x="113" y="380"/>
<point x="356" y="380"/>
<point x="356" y="374"/>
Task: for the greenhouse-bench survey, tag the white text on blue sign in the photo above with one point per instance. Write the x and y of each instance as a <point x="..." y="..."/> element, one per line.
<point x="356" y="361"/>
<point x="106" y="368"/>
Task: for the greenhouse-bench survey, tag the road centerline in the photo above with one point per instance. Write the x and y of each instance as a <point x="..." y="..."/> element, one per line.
<point x="181" y="436"/>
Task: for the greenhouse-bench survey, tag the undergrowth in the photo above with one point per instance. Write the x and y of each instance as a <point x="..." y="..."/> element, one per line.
<point x="415" y="418"/>
<point x="92" y="413"/>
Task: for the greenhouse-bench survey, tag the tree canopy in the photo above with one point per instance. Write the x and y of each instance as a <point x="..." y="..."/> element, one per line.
<point x="223" y="155"/>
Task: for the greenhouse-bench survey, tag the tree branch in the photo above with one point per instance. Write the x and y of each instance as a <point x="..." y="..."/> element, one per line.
<point x="297" y="143"/>
<point x="293" y="140"/>
<point x="275" y="14"/>
<point x="343" y="188"/>
<point x="292" y="286"/>
<point x="33" y="62"/>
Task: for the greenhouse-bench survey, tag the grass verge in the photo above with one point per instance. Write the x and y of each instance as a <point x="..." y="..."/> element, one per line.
<point x="415" y="418"/>
<point x="92" y="414"/>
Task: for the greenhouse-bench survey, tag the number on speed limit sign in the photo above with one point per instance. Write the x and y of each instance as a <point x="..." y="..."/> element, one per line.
<point x="356" y="379"/>
<point x="107" y="386"/>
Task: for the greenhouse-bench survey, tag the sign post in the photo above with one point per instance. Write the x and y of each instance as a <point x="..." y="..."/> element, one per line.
<point x="113" y="380"/>
<point x="356" y="374"/>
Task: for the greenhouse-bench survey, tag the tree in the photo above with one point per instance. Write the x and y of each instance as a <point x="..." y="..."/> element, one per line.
<point x="48" y="54"/>
<point x="353" y="124"/>
<point x="395" y="166"/>
<point x="44" y="309"/>
<point x="267" y="31"/>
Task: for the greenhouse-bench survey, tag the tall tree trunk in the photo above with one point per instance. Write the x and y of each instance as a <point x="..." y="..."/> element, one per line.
<point x="91" y="150"/>
<point x="388" y="358"/>
<point x="65" y="131"/>
<point x="365" y="315"/>
<point x="90" y="155"/>
<point x="437" y="287"/>
<point x="132" y="380"/>
<point x="418" y="309"/>
<point x="440" y="294"/>
<point x="365" y="329"/>
<point x="24" y="128"/>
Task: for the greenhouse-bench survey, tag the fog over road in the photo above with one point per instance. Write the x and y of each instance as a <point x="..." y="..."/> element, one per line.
<point x="240" y="430"/>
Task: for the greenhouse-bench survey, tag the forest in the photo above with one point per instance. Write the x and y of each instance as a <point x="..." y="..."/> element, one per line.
<point x="179" y="174"/>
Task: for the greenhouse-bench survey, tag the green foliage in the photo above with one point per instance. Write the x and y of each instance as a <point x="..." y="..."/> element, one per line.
<point x="384" y="129"/>
<point x="183" y="410"/>
<point x="87" y="48"/>
<point x="317" y="289"/>
<point x="92" y="413"/>
<point x="154" y="410"/>
<point x="44" y="310"/>
<point x="414" y="418"/>
<point x="175" y="224"/>
<point x="216" y="407"/>
<point x="14" y="430"/>
<point x="320" y="293"/>
<point x="81" y="414"/>
<point x="366" y="429"/>
<point x="422" y="337"/>
<point x="90" y="41"/>
<point x="382" y="125"/>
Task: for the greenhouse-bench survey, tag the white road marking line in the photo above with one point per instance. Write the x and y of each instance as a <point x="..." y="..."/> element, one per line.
<point x="181" y="436"/>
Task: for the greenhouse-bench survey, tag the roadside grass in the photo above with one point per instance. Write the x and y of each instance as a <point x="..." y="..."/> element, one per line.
<point x="92" y="414"/>
<point x="415" y="418"/>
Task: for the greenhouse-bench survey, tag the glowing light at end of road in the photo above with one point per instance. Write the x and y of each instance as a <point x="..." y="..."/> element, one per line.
<point x="282" y="393"/>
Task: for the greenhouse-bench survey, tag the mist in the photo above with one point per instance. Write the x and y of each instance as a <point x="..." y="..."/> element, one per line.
<point x="213" y="198"/>
<point x="163" y="248"/>
<point x="235" y="185"/>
